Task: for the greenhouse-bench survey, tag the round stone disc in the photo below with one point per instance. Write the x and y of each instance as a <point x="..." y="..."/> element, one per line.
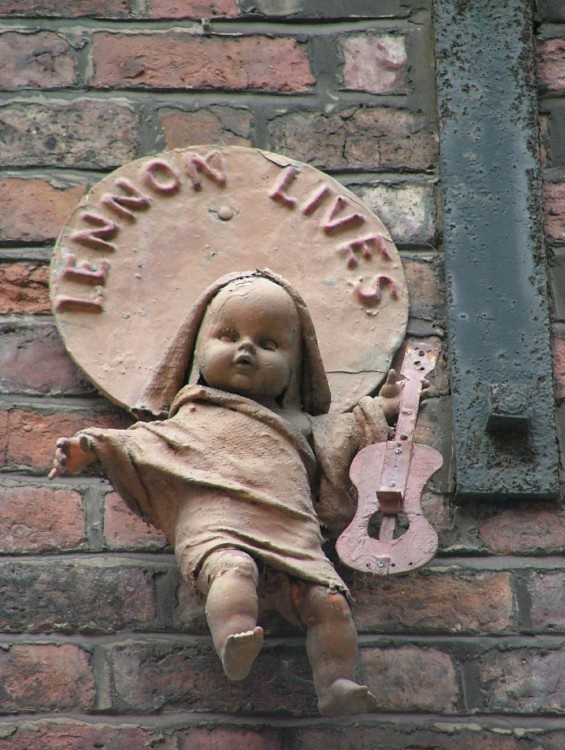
<point x="151" y="236"/>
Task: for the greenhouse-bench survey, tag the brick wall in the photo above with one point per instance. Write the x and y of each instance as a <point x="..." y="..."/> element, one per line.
<point x="100" y="645"/>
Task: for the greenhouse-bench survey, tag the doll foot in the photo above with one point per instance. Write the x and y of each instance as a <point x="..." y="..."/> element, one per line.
<point x="347" y="697"/>
<point x="240" y="652"/>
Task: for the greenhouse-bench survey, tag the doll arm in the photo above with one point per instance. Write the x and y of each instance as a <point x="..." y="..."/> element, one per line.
<point x="390" y="395"/>
<point x="72" y="455"/>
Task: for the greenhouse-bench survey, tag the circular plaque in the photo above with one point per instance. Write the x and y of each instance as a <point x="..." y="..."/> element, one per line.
<point x="151" y="236"/>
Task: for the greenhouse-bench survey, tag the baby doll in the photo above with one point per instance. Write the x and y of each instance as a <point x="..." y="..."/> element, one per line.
<point x="236" y="473"/>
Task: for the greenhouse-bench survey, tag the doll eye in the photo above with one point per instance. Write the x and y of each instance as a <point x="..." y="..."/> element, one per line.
<point x="270" y="345"/>
<point x="228" y="334"/>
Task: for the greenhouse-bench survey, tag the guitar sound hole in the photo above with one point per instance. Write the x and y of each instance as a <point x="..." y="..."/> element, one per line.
<point x="376" y="521"/>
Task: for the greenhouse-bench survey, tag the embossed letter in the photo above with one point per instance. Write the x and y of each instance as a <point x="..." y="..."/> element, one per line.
<point x="197" y="164"/>
<point x="363" y="246"/>
<point x="84" y="272"/>
<point x="372" y="295"/>
<point x="277" y="193"/>
<point x="97" y="238"/>
<point x="124" y="205"/>
<point x="79" y="304"/>
<point x="334" y="223"/>
<point x="171" y="182"/>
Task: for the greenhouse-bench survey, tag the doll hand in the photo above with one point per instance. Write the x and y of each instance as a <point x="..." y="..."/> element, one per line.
<point x="71" y="455"/>
<point x="390" y="394"/>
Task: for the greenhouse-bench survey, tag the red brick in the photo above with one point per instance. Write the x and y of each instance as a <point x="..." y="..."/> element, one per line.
<point x="356" y="138"/>
<point x="523" y="529"/>
<point x="551" y="64"/>
<point x="45" y="677"/>
<point x="435" y="601"/>
<point x="124" y="530"/>
<point x="20" y="351"/>
<point x="374" y="63"/>
<point x="558" y="347"/>
<point x="554" y="196"/>
<point x="76" y="9"/>
<point x="224" y="125"/>
<point x="425" y="287"/>
<point x="171" y="675"/>
<point x="458" y="736"/>
<point x="35" y="209"/>
<point x="66" y="734"/>
<point x="32" y="435"/>
<point x="547" y="594"/>
<point x="214" y="739"/>
<point x="85" y="133"/>
<point x="59" y="596"/>
<point x="37" y="519"/>
<point x="523" y="681"/>
<point x="177" y="60"/>
<point x="24" y="288"/>
<point x="410" y="678"/>
<point x="39" y="60"/>
<point x="192" y="9"/>
<point x="189" y="613"/>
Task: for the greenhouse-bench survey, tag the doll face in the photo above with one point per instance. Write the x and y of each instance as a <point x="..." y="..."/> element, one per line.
<point x="250" y="340"/>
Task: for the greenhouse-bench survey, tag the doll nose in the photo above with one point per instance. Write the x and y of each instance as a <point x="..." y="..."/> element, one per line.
<point x="246" y="344"/>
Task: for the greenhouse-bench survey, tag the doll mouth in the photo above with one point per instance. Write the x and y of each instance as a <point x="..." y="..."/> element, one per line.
<point x="244" y="361"/>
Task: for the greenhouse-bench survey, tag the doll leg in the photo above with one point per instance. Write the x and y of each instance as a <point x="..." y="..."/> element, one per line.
<point x="231" y="609"/>
<point x="331" y="643"/>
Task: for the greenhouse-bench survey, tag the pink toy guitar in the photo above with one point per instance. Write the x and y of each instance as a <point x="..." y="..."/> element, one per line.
<point x="389" y="478"/>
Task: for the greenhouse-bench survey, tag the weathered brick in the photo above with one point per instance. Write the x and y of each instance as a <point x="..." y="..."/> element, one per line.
<point x="225" y="125"/>
<point x="37" y="519"/>
<point x="192" y="9"/>
<point x="408" y="211"/>
<point x="177" y="60"/>
<point x="435" y="601"/>
<point x="45" y="677"/>
<point x="85" y="133"/>
<point x="74" y="596"/>
<point x="547" y="594"/>
<point x="356" y="138"/>
<point x="124" y="530"/>
<point x="554" y="201"/>
<point x="67" y="734"/>
<point x="558" y="351"/>
<point x="410" y="678"/>
<point x="458" y="736"/>
<point x="76" y="9"/>
<point x="551" y="64"/>
<point x="24" y="288"/>
<point x="32" y="435"/>
<point x="557" y="283"/>
<point x="424" y="276"/>
<point x="434" y="429"/>
<point x="552" y="10"/>
<point x="35" y="209"/>
<point x="523" y="681"/>
<point x="40" y="60"/>
<point x="22" y="348"/>
<point x="171" y="675"/>
<point x="374" y="63"/>
<point x="218" y="737"/>
<point x="189" y="613"/>
<point x="523" y="529"/>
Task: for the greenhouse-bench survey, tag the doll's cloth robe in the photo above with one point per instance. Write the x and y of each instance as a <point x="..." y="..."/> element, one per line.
<point x="239" y="475"/>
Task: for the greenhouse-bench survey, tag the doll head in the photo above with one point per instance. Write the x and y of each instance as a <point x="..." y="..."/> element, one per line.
<point x="250" y="342"/>
<point x="300" y="381"/>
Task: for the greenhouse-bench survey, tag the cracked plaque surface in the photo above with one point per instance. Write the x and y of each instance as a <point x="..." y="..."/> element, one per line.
<point x="151" y="236"/>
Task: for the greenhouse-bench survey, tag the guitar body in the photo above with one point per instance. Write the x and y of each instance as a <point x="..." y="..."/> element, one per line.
<point x="386" y="555"/>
